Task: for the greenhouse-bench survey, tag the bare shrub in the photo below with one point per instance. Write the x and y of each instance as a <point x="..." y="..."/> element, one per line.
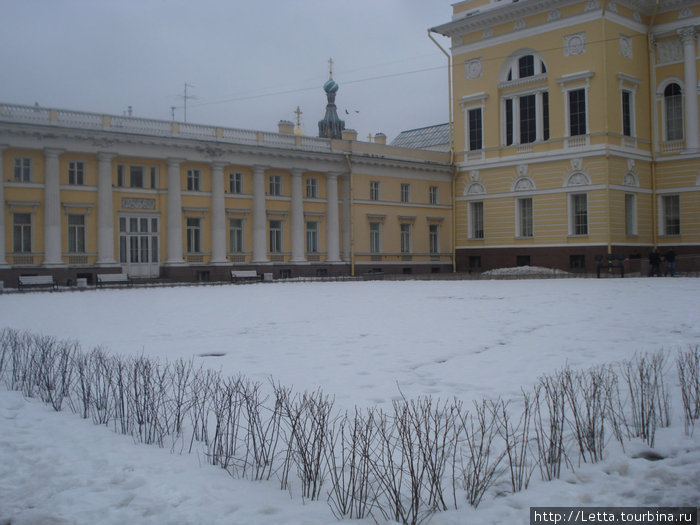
<point x="226" y="407"/>
<point x="548" y="420"/>
<point x="688" y="366"/>
<point x="516" y="437"/>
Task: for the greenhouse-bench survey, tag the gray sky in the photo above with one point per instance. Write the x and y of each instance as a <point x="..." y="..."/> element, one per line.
<point x="251" y="62"/>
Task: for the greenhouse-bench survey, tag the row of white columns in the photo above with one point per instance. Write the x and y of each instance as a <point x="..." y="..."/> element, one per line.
<point x="690" y="73"/>
<point x="105" y="214"/>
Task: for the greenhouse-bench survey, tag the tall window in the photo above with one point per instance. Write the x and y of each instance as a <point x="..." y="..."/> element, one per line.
<point x="375" y="237"/>
<point x="433" y="194"/>
<point x="577" y="112"/>
<point x="524" y="211"/>
<point x="630" y="214"/>
<point x="579" y="213"/>
<point x="76" y="233"/>
<point x="76" y="172"/>
<point x="154" y="177"/>
<point x="405" y="238"/>
<point x="23" y="169"/>
<point x="405" y="192"/>
<point x="275" y="185"/>
<point x="120" y="176"/>
<point x="434" y="238"/>
<point x="475" y="129"/>
<point x="626" y="113"/>
<point x="311" y="188"/>
<point x="193" y="180"/>
<point x="526" y="115"/>
<point x="235" y="183"/>
<point x="22" y="232"/>
<point x="476" y="216"/>
<point x="528" y="120"/>
<point x="275" y="236"/>
<point x="136" y="176"/>
<point x="236" y="235"/>
<point x="545" y="115"/>
<point x="671" y="209"/>
<point x="194" y="235"/>
<point x="374" y="190"/>
<point x="311" y="236"/>
<point x="673" y="109"/>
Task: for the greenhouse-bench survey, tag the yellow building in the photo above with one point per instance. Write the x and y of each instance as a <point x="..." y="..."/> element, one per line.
<point x="86" y="194"/>
<point x="575" y="131"/>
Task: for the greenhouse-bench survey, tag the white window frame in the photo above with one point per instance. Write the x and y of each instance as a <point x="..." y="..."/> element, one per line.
<point x="476" y="223"/>
<point x="276" y="238"/>
<point x="236" y="235"/>
<point x="434" y="195"/>
<point x="22" y="233"/>
<point x="630" y="214"/>
<point x="312" y="244"/>
<point x="405" y="231"/>
<point x="468" y="130"/>
<point x="405" y="192"/>
<point x="374" y="190"/>
<point x="312" y="188"/>
<point x="76" y="233"/>
<point x="275" y="185"/>
<point x="23" y="169"/>
<point x="194" y="180"/>
<point x="570" y="83"/>
<point x="194" y="235"/>
<point x="135" y="172"/>
<point x="664" y="215"/>
<point x="76" y="172"/>
<point x="434" y="238"/>
<point x="629" y="85"/>
<point x="522" y="230"/>
<point x="665" y="115"/>
<point x="572" y="198"/>
<point x="235" y="182"/>
<point x="375" y="237"/>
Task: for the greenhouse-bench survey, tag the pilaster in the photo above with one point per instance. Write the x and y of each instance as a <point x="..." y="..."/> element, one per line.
<point x="332" y="226"/>
<point x="174" y="214"/>
<point x="692" y="141"/>
<point x="3" y="261"/>
<point x="259" y="216"/>
<point x="218" y="214"/>
<point x="105" y="211"/>
<point x="52" y="209"/>
<point x="297" y="217"/>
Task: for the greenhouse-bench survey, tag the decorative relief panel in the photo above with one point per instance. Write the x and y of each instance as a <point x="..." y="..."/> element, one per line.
<point x="625" y="46"/>
<point x="554" y="15"/>
<point x="686" y="12"/>
<point x="133" y="203"/>
<point x="592" y="5"/>
<point x="488" y="33"/>
<point x="669" y="51"/>
<point x="520" y="24"/>
<point x="574" y="44"/>
<point x="472" y="68"/>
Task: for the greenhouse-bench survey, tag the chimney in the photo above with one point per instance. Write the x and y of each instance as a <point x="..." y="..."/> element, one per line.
<point x="286" y="127"/>
<point x="380" y="138"/>
<point x="349" y="134"/>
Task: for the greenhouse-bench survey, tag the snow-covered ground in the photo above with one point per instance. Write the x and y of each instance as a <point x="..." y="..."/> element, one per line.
<point x="360" y="342"/>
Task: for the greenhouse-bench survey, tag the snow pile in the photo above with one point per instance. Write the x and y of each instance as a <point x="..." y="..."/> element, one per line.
<point x="524" y="270"/>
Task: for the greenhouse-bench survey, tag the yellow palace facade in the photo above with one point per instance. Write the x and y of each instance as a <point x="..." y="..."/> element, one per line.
<point x="575" y="130"/>
<point x="85" y="194"/>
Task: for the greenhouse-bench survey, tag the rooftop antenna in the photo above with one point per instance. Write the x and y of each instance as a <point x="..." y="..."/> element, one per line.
<point x="130" y="110"/>
<point x="298" y="113"/>
<point x="186" y="97"/>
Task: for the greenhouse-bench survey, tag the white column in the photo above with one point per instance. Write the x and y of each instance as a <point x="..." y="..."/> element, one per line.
<point x="52" y="209"/>
<point x="105" y="211"/>
<point x="690" y="72"/>
<point x="345" y="190"/>
<point x="174" y="214"/>
<point x="332" y="227"/>
<point x="3" y="261"/>
<point x="259" y="216"/>
<point x="297" y="218"/>
<point x="539" y="117"/>
<point x="218" y="214"/>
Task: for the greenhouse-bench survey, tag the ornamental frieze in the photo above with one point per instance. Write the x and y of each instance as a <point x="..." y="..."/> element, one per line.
<point x="134" y="203"/>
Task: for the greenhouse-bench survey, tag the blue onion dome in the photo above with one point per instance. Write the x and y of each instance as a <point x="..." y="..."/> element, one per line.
<point x="330" y="86"/>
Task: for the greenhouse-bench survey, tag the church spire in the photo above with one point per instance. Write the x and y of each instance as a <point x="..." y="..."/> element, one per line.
<point x="331" y="126"/>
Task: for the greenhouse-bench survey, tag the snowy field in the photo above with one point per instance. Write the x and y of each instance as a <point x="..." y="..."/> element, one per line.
<point x="361" y="342"/>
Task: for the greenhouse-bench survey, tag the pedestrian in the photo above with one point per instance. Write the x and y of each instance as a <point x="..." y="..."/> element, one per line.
<point x="654" y="263"/>
<point x="670" y="258"/>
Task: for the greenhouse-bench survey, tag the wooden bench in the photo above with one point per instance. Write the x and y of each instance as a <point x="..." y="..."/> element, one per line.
<point x="239" y="276"/>
<point x="113" y="278"/>
<point x="44" y="281"/>
<point x="608" y="262"/>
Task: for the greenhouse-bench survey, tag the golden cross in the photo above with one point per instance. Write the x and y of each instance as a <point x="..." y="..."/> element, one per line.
<point x="298" y="113"/>
<point x="330" y="66"/>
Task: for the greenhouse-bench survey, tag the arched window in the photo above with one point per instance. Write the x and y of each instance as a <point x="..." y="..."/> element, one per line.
<point x="673" y="112"/>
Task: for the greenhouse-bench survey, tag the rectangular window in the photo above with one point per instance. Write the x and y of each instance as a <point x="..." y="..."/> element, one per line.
<point x="76" y="172"/>
<point x="626" y="113"/>
<point x="136" y="176"/>
<point x="630" y="214"/>
<point x="577" y="112"/>
<point x="235" y="183"/>
<point x="509" y="121"/>
<point x="405" y="192"/>
<point x="194" y="235"/>
<point x="374" y="190"/>
<point x="433" y="194"/>
<point x="154" y="177"/>
<point x="311" y="236"/>
<point x="545" y="115"/>
<point x="577" y="262"/>
<point x="22" y="232"/>
<point x="475" y="129"/>
<point x="193" y="180"/>
<point x="525" y="217"/>
<point x="120" y="176"/>
<point x="434" y="238"/>
<point x="405" y="238"/>
<point x="374" y="237"/>
<point x="236" y="235"/>
<point x="311" y="188"/>
<point x="76" y="233"/>
<point x="671" y="207"/>
<point x="275" y="185"/>
<point x="579" y="214"/>
<point x="275" y="236"/>
<point x="474" y="262"/>
<point x="528" y="119"/>
<point x="526" y="66"/>
<point x="476" y="216"/>
<point x="23" y="169"/>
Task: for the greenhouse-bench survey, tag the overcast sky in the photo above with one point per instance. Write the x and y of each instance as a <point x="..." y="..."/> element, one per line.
<point x="250" y="62"/>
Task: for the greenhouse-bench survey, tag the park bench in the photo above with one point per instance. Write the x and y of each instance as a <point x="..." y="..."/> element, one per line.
<point x="609" y="261"/>
<point x="240" y="276"/>
<point x="44" y="281"/>
<point x="113" y="278"/>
